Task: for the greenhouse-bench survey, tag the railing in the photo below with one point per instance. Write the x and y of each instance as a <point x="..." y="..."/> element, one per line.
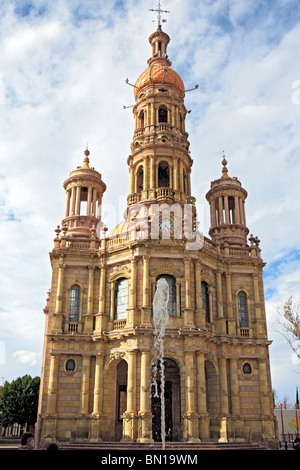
<point x="243" y="252"/>
<point x="134" y="198"/>
<point x="165" y="193"/>
<point x="81" y="244"/>
<point x="73" y="327"/>
<point x="244" y="332"/>
<point x="119" y="324"/>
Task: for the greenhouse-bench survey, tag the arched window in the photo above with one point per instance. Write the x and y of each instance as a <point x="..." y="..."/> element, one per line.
<point x="140" y="179"/>
<point x="243" y="310"/>
<point x="163" y="175"/>
<point x="74" y="303"/>
<point x="184" y="181"/>
<point x="172" y="293"/>
<point x="162" y="114"/>
<point x="121" y="298"/>
<point x="205" y="300"/>
<point x="142" y="119"/>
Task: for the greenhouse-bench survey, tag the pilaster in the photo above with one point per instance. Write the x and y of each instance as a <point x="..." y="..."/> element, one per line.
<point x="145" y="415"/>
<point x="130" y="416"/>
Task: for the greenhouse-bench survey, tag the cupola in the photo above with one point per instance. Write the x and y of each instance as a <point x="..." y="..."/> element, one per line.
<point x="84" y="191"/>
<point x="227" y="210"/>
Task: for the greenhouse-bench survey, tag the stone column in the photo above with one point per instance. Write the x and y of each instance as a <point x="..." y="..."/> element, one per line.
<point x="256" y="296"/>
<point x="236" y="421"/>
<point x="152" y="114"/>
<point x="188" y="311"/>
<point x="59" y="297"/>
<point x="89" y="201"/>
<point x="112" y="301"/>
<point x="204" y="432"/>
<point x="152" y="172"/>
<point x="97" y="414"/>
<point x="227" y="219"/>
<point x="146" y="171"/>
<point x="130" y="416"/>
<point x="199" y="317"/>
<point x="213" y="221"/>
<point x="224" y="410"/>
<point x="131" y="179"/>
<point x="220" y="321"/>
<point x="234" y="383"/>
<point x="94" y="203"/>
<point x="98" y="386"/>
<point x="181" y="185"/>
<point x="101" y="317"/>
<point x="221" y="221"/>
<point x="231" y="321"/>
<point x="77" y="204"/>
<point x="173" y="115"/>
<point x="241" y="210"/>
<point x="178" y="297"/>
<point x="145" y="414"/>
<point x="219" y="294"/>
<point x="85" y="384"/>
<point x="146" y="307"/>
<point x="88" y="320"/>
<point x="175" y="173"/>
<point x="60" y="282"/>
<point x="259" y="324"/>
<point x="67" y="210"/>
<point x="191" y="415"/>
<point x="52" y="387"/>
<point x="132" y="310"/>
<point x="73" y="200"/>
<point x="237" y="210"/>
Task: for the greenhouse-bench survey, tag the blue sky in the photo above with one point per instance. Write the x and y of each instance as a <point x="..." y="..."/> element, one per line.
<point x="63" y="67"/>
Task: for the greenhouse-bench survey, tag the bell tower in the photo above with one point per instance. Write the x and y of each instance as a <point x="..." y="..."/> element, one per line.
<point x="160" y="162"/>
<point x="227" y="210"/>
<point x="84" y="191"/>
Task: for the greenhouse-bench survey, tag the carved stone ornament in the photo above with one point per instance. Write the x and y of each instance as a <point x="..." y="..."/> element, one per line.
<point x="119" y="270"/>
<point x="117" y="355"/>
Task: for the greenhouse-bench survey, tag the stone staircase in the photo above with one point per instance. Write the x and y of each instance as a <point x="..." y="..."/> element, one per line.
<point x="170" y="446"/>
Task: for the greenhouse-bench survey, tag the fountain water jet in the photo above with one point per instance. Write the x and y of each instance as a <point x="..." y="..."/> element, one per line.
<point x="160" y="319"/>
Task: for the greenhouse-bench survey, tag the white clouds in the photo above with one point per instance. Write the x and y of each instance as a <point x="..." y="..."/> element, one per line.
<point x="27" y="357"/>
<point x="63" y="66"/>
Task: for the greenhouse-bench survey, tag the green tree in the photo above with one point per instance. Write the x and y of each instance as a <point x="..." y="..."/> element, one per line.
<point x="19" y="401"/>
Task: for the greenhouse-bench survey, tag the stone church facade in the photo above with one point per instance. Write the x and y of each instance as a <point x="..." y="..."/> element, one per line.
<point x="99" y="339"/>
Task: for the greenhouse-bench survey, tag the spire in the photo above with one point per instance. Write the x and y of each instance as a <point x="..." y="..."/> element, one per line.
<point x="86" y="160"/>
<point x="159" y="11"/>
<point x="224" y="169"/>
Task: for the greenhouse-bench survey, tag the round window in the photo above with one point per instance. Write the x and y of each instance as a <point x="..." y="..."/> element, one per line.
<point x="70" y="365"/>
<point x="247" y="369"/>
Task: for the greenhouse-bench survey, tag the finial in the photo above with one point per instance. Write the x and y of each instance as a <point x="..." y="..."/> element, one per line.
<point x="159" y="11"/>
<point x="86" y="160"/>
<point x="224" y="169"/>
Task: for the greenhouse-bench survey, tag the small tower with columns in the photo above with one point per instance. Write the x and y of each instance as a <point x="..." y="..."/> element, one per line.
<point x="84" y="191"/>
<point x="227" y="210"/>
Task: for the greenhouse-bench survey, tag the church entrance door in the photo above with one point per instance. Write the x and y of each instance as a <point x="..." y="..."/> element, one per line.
<point x="171" y="402"/>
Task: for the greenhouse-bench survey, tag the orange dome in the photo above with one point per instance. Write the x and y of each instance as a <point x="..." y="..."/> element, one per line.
<point x="158" y="73"/>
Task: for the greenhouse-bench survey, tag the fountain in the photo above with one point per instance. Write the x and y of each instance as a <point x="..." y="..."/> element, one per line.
<point x="160" y="319"/>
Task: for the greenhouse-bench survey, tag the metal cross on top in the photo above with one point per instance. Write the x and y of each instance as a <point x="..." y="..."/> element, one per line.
<point x="159" y="12"/>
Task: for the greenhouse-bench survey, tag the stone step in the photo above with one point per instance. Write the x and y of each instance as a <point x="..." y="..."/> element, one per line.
<point x="195" y="446"/>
